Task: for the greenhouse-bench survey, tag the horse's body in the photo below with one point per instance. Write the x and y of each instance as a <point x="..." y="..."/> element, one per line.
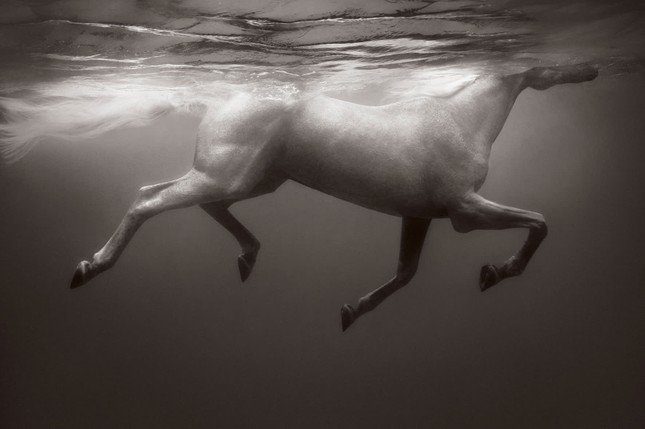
<point x="418" y="159"/>
<point x="393" y="158"/>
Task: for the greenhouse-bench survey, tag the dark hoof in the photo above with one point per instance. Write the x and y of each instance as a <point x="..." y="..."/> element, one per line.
<point x="489" y="276"/>
<point x="347" y="316"/>
<point x="81" y="275"/>
<point x="245" y="264"/>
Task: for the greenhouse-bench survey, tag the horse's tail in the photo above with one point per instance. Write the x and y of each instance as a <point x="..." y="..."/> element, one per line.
<point x="77" y="111"/>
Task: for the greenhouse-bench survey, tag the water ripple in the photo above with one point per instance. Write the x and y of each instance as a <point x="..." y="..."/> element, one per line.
<point x="323" y="45"/>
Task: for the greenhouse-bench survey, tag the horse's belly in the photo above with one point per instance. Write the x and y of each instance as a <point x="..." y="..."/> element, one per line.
<point x="376" y="179"/>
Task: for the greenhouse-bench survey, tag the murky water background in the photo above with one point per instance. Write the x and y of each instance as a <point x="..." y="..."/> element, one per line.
<point x="320" y="46"/>
<point x="170" y="338"/>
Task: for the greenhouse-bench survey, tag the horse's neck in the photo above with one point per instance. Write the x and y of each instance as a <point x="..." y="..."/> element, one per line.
<point x="482" y="108"/>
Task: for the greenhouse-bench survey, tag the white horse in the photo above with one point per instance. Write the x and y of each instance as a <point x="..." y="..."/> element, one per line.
<point x="418" y="159"/>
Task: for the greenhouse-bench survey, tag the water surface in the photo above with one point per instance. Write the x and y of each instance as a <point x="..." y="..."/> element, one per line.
<point x="81" y="58"/>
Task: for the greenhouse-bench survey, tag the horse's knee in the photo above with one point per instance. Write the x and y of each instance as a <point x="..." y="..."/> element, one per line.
<point x="406" y="274"/>
<point x="539" y="227"/>
<point x="143" y="206"/>
<point x="140" y="212"/>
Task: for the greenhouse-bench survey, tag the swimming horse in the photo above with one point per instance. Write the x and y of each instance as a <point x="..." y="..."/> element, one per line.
<point x="419" y="159"/>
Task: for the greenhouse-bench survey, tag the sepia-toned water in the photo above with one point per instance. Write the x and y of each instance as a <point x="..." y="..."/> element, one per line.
<point x="98" y="98"/>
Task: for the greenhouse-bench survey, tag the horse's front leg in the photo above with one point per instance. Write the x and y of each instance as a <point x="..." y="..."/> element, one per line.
<point x="413" y="233"/>
<point x="475" y="212"/>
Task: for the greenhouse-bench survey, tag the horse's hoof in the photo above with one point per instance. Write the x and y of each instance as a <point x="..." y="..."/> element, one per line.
<point x="489" y="276"/>
<point x="590" y="71"/>
<point x="347" y="316"/>
<point x="245" y="264"/>
<point x="81" y="275"/>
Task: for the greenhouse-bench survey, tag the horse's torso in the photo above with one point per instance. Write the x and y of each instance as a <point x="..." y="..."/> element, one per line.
<point x="412" y="158"/>
<point x="390" y="158"/>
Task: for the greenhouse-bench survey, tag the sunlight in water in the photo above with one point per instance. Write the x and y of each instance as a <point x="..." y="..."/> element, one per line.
<point x="80" y="108"/>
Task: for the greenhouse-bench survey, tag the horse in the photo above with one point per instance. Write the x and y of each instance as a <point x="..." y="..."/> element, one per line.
<point x="419" y="159"/>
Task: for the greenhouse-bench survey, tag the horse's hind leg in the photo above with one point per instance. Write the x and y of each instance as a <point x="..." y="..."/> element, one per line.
<point x="413" y="233"/>
<point x="475" y="212"/>
<point x="249" y="244"/>
<point x="193" y="188"/>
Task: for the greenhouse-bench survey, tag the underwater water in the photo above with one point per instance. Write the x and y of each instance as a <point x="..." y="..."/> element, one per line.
<point x="98" y="99"/>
